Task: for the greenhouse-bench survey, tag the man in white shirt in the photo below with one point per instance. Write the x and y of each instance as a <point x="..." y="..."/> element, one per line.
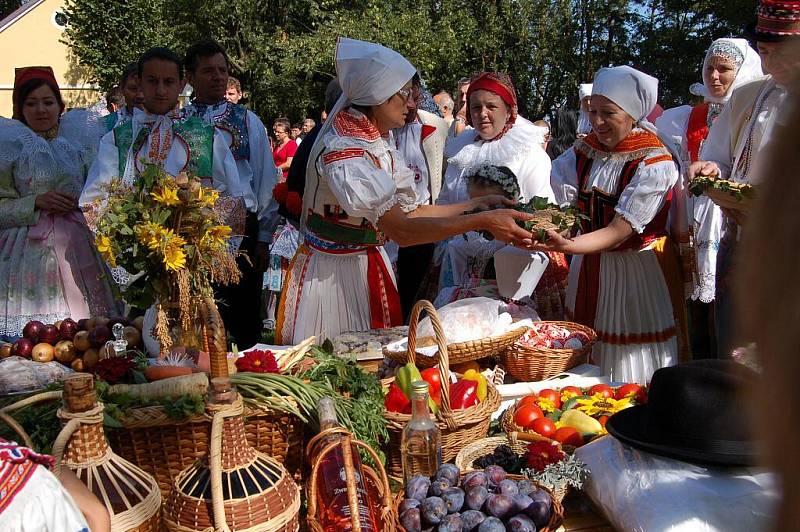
<point x="207" y="71"/>
<point x="445" y="103"/>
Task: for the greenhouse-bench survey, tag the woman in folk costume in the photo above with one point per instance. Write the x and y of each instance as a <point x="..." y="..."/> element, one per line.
<point x="49" y="268"/>
<point x="625" y="275"/>
<point x="584" y="95"/>
<point x="503" y="138"/>
<point x="359" y="193"/>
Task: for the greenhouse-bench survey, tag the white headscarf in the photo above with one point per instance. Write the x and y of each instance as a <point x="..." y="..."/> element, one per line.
<point x="584" y="125"/>
<point x="741" y="54"/>
<point x="635" y="92"/>
<point x="584" y="90"/>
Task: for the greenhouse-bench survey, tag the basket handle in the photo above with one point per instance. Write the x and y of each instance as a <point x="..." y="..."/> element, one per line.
<point x="15" y="426"/>
<point x="214" y="337"/>
<point x="441" y="342"/>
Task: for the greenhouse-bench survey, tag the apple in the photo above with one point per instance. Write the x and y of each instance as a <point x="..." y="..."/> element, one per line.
<point x="22" y="348"/>
<point x="90" y="357"/>
<point x="32" y="330"/>
<point x="99" y="336"/>
<point x="67" y="329"/>
<point x="139" y="323"/>
<point x="5" y="350"/>
<point x="65" y="352"/>
<point x="81" y="340"/>
<point x="132" y="335"/>
<point x="83" y="324"/>
<point x="49" y="335"/>
<point x="43" y="352"/>
<point x="78" y="364"/>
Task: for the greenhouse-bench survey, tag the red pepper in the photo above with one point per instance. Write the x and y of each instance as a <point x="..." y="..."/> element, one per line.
<point x="396" y="400"/>
<point x="434" y="380"/>
<point x="463" y="394"/>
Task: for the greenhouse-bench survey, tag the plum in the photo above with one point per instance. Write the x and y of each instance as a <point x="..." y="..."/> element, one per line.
<point x="526" y="486"/>
<point x="433" y="509"/>
<point x="438" y="486"/>
<point x="471" y="519"/>
<point x="492" y="524"/>
<point x="476" y="497"/>
<point x="407" y="504"/>
<point x="417" y="487"/>
<point x="539" y="512"/>
<point x="475" y="478"/>
<point x="499" y="505"/>
<point x="521" y="523"/>
<point x="454" y="498"/>
<point x="449" y="472"/>
<point x="521" y="503"/>
<point x="508" y="487"/>
<point x="451" y="523"/>
<point x="410" y="520"/>
<point x="541" y="496"/>
<point x="495" y="475"/>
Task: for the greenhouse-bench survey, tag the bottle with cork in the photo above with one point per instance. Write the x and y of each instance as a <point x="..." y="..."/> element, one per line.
<point x="420" y="444"/>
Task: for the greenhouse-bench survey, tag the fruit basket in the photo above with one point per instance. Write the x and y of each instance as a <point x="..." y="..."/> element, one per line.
<point x="457" y="427"/>
<point x="531" y="358"/>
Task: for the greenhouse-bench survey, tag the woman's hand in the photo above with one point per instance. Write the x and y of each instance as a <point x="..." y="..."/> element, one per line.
<point x="555" y="242"/>
<point x="502" y="223"/>
<point x="485" y="203"/>
<point x="57" y="202"/>
<point x="701" y="168"/>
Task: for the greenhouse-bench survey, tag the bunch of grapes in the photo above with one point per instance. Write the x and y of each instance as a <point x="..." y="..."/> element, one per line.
<point x="502" y="456"/>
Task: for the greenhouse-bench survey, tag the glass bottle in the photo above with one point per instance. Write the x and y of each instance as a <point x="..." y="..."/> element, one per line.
<point x="332" y="495"/>
<point x="420" y="446"/>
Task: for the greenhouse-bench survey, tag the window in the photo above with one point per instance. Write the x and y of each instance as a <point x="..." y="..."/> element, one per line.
<point x="59" y="19"/>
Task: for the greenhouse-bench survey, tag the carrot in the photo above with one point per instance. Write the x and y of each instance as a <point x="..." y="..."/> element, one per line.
<point x="192" y="384"/>
<point x="156" y="373"/>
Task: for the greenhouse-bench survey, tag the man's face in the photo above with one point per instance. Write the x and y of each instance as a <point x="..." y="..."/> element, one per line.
<point x="233" y="95"/>
<point x="210" y="79"/>
<point x="781" y="59"/>
<point x="307" y="126"/>
<point x="161" y="85"/>
<point x="133" y="95"/>
<point x="295" y="132"/>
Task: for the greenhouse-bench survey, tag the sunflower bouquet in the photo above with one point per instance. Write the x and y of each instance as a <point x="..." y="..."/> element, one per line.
<point x="166" y="231"/>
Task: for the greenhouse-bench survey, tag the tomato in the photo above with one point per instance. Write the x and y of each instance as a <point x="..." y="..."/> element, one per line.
<point x="627" y="390"/>
<point x="434" y="380"/>
<point x="603" y="420"/>
<point x="572" y="389"/>
<point x="526" y="415"/>
<point x="527" y="400"/>
<point x="544" y="427"/>
<point x="551" y="395"/>
<point x="568" y="436"/>
<point x="603" y="389"/>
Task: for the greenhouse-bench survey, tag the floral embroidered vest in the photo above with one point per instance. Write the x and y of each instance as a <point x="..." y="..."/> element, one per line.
<point x="233" y="120"/>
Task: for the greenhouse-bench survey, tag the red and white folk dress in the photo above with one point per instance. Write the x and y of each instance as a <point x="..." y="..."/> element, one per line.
<point x="632" y="296"/>
<point x="341" y="279"/>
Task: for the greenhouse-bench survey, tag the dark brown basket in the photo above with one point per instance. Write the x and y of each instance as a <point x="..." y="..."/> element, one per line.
<point x="531" y="364"/>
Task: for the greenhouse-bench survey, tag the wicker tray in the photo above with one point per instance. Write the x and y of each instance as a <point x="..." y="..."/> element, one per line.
<point x="462" y="351"/>
<point x="457" y="427"/>
<point x="518" y="442"/>
<point x="531" y="364"/>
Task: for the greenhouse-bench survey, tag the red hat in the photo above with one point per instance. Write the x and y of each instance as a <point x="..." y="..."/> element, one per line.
<point x="499" y="84"/>
<point x="778" y="20"/>
<point x="23" y="75"/>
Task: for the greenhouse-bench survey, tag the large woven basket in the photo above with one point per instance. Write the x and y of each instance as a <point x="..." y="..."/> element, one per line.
<point x="457" y="427"/>
<point x="531" y="364"/>
<point x="518" y="441"/>
<point x="233" y="487"/>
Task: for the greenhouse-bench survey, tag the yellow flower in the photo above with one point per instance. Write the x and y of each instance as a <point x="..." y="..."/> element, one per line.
<point x="207" y="196"/>
<point x="216" y="236"/>
<point x="546" y="405"/>
<point x="174" y="256"/>
<point x="150" y="235"/>
<point x="567" y="395"/>
<point x="166" y="194"/>
<point x="597" y="405"/>
<point x="103" y="245"/>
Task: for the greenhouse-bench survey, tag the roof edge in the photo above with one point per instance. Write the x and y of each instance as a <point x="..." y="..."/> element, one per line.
<point x="18" y="13"/>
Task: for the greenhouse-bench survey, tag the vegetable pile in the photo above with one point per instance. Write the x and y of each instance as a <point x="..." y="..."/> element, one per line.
<point x="466" y="392"/>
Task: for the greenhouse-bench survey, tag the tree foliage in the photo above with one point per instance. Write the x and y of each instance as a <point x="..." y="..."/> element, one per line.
<point x="282" y="50"/>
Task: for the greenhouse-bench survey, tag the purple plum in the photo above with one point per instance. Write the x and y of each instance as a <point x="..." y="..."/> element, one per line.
<point x="407" y="504"/>
<point x="454" y="498"/>
<point x="451" y="523"/>
<point x="539" y="512"/>
<point x="449" y="472"/>
<point x="476" y="497"/>
<point x="521" y="503"/>
<point x="410" y="520"/>
<point x="521" y="523"/>
<point x="499" y="505"/>
<point x="508" y="487"/>
<point x="492" y="524"/>
<point x="433" y="509"/>
<point x="471" y="519"/>
<point x="475" y="478"/>
<point x="417" y="487"/>
<point x="495" y="475"/>
<point x="438" y="486"/>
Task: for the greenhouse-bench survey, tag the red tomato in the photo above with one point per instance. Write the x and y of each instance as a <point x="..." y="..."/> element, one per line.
<point x="603" y="389"/>
<point x="544" y="427"/>
<point x="526" y="415"/>
<point x="627" y="390"/>
<point x="434" y="380"/>
<point x="603" y="420"/>
<point x="527" y="400"/>
<point x="568" y="436"/>
<point x="572" y="389"/>
<point x="551" y="395"/>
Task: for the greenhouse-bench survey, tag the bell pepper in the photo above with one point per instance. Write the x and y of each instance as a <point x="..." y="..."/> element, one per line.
<point x="473" y="375"/>
<point x="434" y="380"/>
<point x="396" y="401"/>
<point x="407" y="375"/>
<point x="463" y="394"/>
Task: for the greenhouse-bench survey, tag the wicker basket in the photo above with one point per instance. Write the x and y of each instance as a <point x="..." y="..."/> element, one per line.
<point x="377" y="481"/>
<point x="531" y="364"/>
<point x="233" y="486"/>
<point x="518" y="442"/>
<point x="130" y="495"/>
<point x="556" y="517"/>
<point x="457" y="427"/>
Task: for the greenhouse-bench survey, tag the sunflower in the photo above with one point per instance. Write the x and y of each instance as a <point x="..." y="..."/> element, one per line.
<point x="166" y="195"/>
<point x="216" y="236"/>
<point x="207" y="196"/>
<point x="174" y="256"/>
<point x="598" y="405"/>
<point x="103" y="245"/>
<point x="150" y="234"/>
<point x="546" y="405"/>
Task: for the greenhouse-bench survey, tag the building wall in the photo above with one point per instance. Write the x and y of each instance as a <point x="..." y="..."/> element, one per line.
<point x="34" y="40"/>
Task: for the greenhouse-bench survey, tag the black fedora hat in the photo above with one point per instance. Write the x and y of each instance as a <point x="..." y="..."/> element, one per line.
<point x="695" y="412"/>
<point x="777" y="20"/>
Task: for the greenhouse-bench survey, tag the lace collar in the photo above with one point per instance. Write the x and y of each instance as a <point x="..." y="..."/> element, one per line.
<point x="517" y="142"/>
<point x="50" y="134"/>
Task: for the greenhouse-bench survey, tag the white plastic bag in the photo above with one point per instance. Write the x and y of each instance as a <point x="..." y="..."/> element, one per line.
<point x="469" y="319"/>
<point x="19" y="375"/>
<point x="639" y="491"/>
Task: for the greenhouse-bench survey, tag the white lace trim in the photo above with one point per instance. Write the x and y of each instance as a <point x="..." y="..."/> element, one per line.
<point x="515" y="144"/>
<point x="386" y="207"/>
<point x="705" y="288"/>
<point x="631" y="219"/>
<point x="13" y="325"/>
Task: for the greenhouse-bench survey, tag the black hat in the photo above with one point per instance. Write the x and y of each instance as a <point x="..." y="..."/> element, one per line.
<point x="695" y="412"/>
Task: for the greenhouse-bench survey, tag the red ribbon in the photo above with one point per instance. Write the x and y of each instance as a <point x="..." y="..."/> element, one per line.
<point x="384" y="300"/>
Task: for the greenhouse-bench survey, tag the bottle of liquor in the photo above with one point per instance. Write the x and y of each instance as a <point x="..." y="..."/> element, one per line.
<point x="333" y="497"/>
<point x="420" y="446"/>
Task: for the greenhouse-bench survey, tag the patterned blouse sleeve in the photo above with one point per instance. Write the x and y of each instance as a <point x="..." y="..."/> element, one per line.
<point x="647" y="192"/>
<point x="16" y="210"/>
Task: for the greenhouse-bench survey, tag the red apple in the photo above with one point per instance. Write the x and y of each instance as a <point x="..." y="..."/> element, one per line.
<point x="43" y="352"/>
<point x="5" y="350"/>
<point x="83" y="324"/>
<point x="32" y="330"/>
<point x="22" y="348"/>
<point x="99" y="336"/>
<point x="65" y="352"/>
<point x="68" y="329"/>
<point x="49" y="335"/>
